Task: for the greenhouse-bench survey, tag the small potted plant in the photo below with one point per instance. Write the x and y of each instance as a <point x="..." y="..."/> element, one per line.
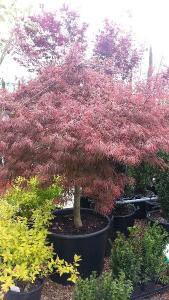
<point x="26" y="259"/>
<point x="141" y="257"/>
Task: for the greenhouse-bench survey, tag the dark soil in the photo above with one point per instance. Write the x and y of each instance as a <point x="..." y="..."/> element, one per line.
<point x="91" y="223"/>
<point x="157" y="216"/>
<point x="123" y="210"/>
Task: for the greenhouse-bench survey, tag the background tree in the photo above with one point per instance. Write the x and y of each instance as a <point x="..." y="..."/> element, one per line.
<point x="10" y="12"/>
<point x="116" y="52"/>
<point x="46" y="38"/>
<point x="75" y="122"/>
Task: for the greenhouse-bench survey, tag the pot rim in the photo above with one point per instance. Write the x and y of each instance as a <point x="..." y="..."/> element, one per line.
<point x="128" y="215"/>
<point x="28" y="293"/>
<point x="81" y="236"/>
<point x="149" y="217"/>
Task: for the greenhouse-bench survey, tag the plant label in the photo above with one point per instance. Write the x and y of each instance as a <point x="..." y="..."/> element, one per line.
<point x="15" y="289"/>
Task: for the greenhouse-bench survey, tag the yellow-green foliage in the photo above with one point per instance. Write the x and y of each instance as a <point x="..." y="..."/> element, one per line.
<point x="25" y="254"/>
<point x="32" y="201"/>
<point x="7" y="210"/>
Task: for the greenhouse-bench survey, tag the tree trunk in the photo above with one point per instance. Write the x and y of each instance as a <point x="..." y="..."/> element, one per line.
<point x="77" y="216"/>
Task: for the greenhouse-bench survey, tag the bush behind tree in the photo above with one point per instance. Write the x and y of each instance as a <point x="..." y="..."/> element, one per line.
<point x="141" y="256"/>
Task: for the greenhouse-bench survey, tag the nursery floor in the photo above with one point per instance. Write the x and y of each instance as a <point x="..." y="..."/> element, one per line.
<point x="164" y="296"/>
<point x="53" y="291"/>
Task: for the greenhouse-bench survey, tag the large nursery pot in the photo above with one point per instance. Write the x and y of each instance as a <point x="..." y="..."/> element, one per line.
<point x="90" y="246"/>
<point x="35" y="294"/>
<point x="155" y="216"/>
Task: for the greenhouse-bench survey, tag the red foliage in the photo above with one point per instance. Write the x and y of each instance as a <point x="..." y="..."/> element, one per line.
<point x="116" y="52"/>
<point x="76" y="122"/>
<point x="46" y="38"/>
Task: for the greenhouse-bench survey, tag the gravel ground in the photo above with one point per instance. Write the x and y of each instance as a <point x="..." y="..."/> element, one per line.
<point x="53" y="291"/>
<point x="164" y="296"/>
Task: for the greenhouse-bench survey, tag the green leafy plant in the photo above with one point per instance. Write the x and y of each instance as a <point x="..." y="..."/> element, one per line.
<point x="154" y="242"/>
<point x="123" y="258"/>
<point x="163" y="186"/>
<point x="103" y="287"/>
<point x="141" y="256"/>
<point x="141" y="178"/>
<point x="29" y="199"/>
<point x="25" y="255"/>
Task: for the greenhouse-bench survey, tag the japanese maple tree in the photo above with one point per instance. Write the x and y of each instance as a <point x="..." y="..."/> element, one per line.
<point x="76" y="122"/>
<point x="116" y="52"/>
<point x="46" y="38"/>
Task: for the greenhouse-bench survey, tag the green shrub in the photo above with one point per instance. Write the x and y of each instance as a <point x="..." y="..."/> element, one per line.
<point x="126" y="257"/>
<point x="103" y="287"/>
<point x="163" y="187"/>
<point x="142" y="178"/>
<point x="154" y="242"/>
<point x="141" y="256"/>
<point x="30" y="200"/>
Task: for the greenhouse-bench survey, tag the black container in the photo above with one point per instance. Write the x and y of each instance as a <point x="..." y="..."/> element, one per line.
<point x="91" y="248"/>
<point x="152" y="205"/>
<point x="110" y="238"/>
<point x="149" y="217"/>
<point x="140" y="210"/>
<point x="86" y="202"/>
<point x="148" y="291"/>
<point x="33" y="295"/>
<point x="121" y="223"/>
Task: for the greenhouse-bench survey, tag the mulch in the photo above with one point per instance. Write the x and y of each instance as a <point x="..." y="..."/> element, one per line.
<point x="53" y="291"/>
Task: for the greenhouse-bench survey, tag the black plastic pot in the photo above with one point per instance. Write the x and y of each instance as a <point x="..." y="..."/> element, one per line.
<point x="33" y="295"/>
<point x="152" y="221"/>
<point x="152" y="205"/>
<point x="91" y="248"/>
<point x="86" y="202"/>
<point x="140" y="210"/>
<point x="143" y="293"/>
<point x="110" y="238"/>
<point x="121" y="223"/>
